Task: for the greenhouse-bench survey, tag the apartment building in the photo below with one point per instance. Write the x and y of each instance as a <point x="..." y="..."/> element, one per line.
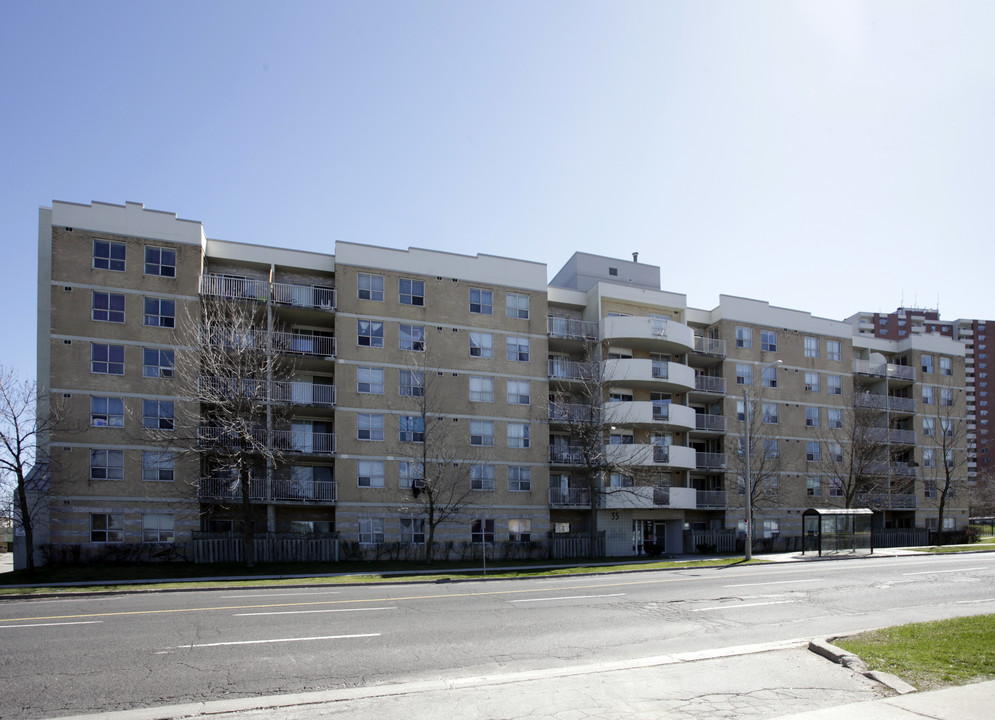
<point x="596" y="400"/>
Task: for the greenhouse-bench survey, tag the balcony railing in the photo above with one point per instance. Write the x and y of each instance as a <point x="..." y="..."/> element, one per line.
<point x="315" y="297"/>
<point x="297" y="344"/>
<point x="294" y="391"/>
<point x="709" y="346"/>
<point x="708" y="383"/>
<point x="571" y="455"/>
<point x="661" y="454"/>
<point x="572" y="412"/>
<point x="661" y="411"/>
<point x="661" y="370"/>
<point x="226" y="488"/>
<point x="880" y="369"/>
<point x="710" y="461"/>
<point x="300" y="392"/>
<point x="571" y="329"/>
<point x="302" y="441"/>
<point x="712" y="499"/>
<point x="889" y="501"/>
<point x="883" y="402"/>
<point x="711" y="423"/>
<point x="570" y="370"/>
<point x="902" y="437"/>
<point x="571" y="497"/>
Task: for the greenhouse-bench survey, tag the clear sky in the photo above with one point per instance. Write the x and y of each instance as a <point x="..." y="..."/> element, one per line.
<point x="826" y="156"/>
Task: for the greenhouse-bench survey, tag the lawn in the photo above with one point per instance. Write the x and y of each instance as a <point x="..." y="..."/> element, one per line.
<point x="930" y="655"/>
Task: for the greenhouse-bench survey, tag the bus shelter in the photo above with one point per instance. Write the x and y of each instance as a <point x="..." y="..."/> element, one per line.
<point x="838" y="530"/>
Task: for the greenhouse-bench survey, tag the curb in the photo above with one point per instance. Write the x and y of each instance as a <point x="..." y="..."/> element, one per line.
<point x="853" y="662"/>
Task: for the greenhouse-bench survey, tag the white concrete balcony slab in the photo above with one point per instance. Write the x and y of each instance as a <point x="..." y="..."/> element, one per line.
<point x="645" y="498"/>
<point x="646" y="455"/>
<point x="656" y="334"/>
<point x="649" y="412"/>
<point x="650" y="374"/>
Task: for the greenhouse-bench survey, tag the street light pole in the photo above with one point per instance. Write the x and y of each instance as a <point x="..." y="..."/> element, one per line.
<point x="748" y="442"/>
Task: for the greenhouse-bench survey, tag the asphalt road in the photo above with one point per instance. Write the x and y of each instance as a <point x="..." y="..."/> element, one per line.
<point x="96" y="654"/>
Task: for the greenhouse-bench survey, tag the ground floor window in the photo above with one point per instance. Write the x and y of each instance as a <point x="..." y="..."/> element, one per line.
<point x="520" y="530"/>
<point x="371" y="530"/>
<point x="157" y="527"/>
<point x="106" y="527"/>
<point x="482" y="531"/>
<point x="413" y="531"/>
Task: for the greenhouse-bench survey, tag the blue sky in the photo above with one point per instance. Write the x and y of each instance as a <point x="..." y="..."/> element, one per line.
<point x="831" y="157"/>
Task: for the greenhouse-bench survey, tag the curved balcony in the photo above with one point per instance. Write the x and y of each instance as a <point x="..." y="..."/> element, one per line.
<point x="672" y="456"/>
<point x="650" y="374"/>
<point x="648" y="412"/>
<point x="655" y="334"/>
<point x="645" y="498"/>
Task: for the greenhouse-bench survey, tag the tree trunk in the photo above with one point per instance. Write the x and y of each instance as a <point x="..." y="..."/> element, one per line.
<point x="248" y="529"/>
<point x="29" y="532"/>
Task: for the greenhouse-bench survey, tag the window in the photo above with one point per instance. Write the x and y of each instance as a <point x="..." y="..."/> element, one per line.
<point x="160" y="312"/>
<point x="740" y="487"/>
<point x="519" y="435"/>
<point x="835" y="487"/>
<point x="518" y="392"/>
<point x="770" y="413"/>
<point x="157" y="466"/>
<point x="835" y="417"/>
<point x="927" y="363"/>
<point x="811" y="347"/>
<point x="812" y="382"/>
<point x="369" y="333"/>
<point x="770" y="377"/>
<point x="744" y="374"/>
<point x="369" y="426"/>
<point x="928" y="397"/>
<point x="157" y="527"/>
<point x="370" y="474"/>
<point x="834" y="384"/>
<point x="482" y="477"/>
<point x="946" y="397"/>
<point x="481" y="389"/>
<point x="412" y="337"/>
<point x="160" y="261"/>
<point x="929" y="490"/>
<point x="413" y="531"/>
<point x="740" y="411"/>
<point x="411" y="292"/>
<point x="370" y="286"/>
<point x="107" y="464"/>
<point x="744" y="337"/>
<point x="107" y="359"/>
<point x="482" y="433"/>
<point x="519" y="478"/>
<point x="834" y="350"/>
<point x="481" y="301"/>
<point x="929" y="426"/>
<point x="482" y="531"/>
<point x="371" y="530"/>
<point x="947" y="427"/>
<point x="481" y="345"/>
<point x="369" y="380"/>
<point x="157" y="363"/>
<point x="518" y="349"/>
<point x="519" y="530"/>
<point x="107" y="307"/>
<point x="835" y="452"/>
<point x="618" y="480"/>
<point x="412" y="429"/>
<point x="108" y="255"/>
<point x="946" y="366"/>
<point x="812" y="417"/>
<point x="772" y="448"/>
<point x="813" y="487"/>
<point x="106" y="412"/>
<point x="771" y="528"/>
<point x="768" y="341"/>
<point x="929" y="458"/>
<point x="157" y="414"/>
<point x="411" y="383"/>
<point x="517" y="305"/>
<point x="771" y="486"/>
<point x="106" y="527"/>
<point x="410" y="474"/>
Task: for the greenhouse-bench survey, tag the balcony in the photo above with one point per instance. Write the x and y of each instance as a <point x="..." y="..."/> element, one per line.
<point x="571" y="329"/>
<point x="304" y="441"/>
<point x="297" y="441"/>
<point x="647" y="412"/>
<point x="650" y="374"/>
<point x="291" y="343"/>
<point x="561" y="369"/>
<point x="709" y="384"/>
<point x="646" y="455"/>
<point x="295" y="392"/>
<point x="566" y="455"/>
<point x="709" y="346"/>
<point x="314" y="297"/>
<point x="902" y="437"/>
<point x="572" y="413"/>
<point x="569" y="497"/>
<point x="878" y="401"/>
<point x="888" y="370"/>
<point x="228" y="489"/>
<point x="887" y="501"/>
<point x="709" y="423"/>
<point x="710" y="461"/>
<point x="636" y="498"/>
<point x="712" y="499"/>
<point x="656" y="334"/>
<point x="299" y="392"/>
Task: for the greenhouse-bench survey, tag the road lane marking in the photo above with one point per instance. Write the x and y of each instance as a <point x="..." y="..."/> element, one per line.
<point x="274" y="640"/>
<point x="84" y="622"/>
<point x="733" y="607"/>
<point x="306" y="612"/>
<point x="972" y="602"/>
<point x="268" y="595"/>
<point x="939" y="572"/>
<point x="567" y="597"/>
<point x="777" y="582"/>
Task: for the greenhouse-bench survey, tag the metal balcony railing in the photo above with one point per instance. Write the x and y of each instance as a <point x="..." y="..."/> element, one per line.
<point x="226" y="488"/>
<point x="315" y="297"/>
<point x="709" y="346"/>
<point x="902" y="437"/>
<point x="661" y="454"/>
<point x="708" y="383"/>
<point x="571" y="329"/>
<point x="297" y="392"/>
<point x="712" y="423"/>
<point x="571" y="455"/>
<point x="572" y="497"/>
<point x="661" y="411"/>
<point x="569" y="370"/>
<point x="710" y="461"/>
<point x="712" y="499"/>
<point x="572" y="412"/>
<point x="303" y="441"/>
<point x="298" y="344"/>
<point x="890" y="501"/>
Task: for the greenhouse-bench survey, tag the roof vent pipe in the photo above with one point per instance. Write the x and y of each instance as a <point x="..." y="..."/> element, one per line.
<point x="635" y="257"/>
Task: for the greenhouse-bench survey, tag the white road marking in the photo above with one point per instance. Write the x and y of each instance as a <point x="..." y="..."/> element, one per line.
<point x="777" y="582"/>
<point x="734" y="607"/>
<point x="271" y="595"/>
<point x="971" y="602"/>
<point x="938" y="572"/>
<point x="567" y="597"/>
<point x="306" y="612"/>
<point x="275" y="640"/>
<point x="82" y="622"/>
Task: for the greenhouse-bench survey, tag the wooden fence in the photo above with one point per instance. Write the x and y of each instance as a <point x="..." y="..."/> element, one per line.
<point x="268" y="549"/>
<point x="577" y="546"/>
<point x="711" y="541"/>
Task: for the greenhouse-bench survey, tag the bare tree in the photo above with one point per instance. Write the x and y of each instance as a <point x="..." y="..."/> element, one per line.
<point x="945" y="455"/>
<point x="26" y="419"/>
<point x="855" y="449"/>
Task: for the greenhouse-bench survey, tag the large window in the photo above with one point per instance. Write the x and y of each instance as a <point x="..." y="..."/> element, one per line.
<point x="369" y="473"/>
<point x="518" y="392"/>
<point x="413" y="531"/>
<point x="410" y="474"/>
<point x="946" y="366"/>
<point x="369" y="380"/>
<point x="158" y="363"/>
<point x="157" y="414"/>
<point x="369" y="333"/>
<point x="157" y="528"/>
<point x="813" y="487"/>
<point x="482" y="530"/>
<point x="834" y="350"/>
<point x="370" y="286"/>
<point x="519" y="435"/>
<point x="412" y="337"/>
<point x="106" y="527"/>
<point x="813" y="451"/>
<point x="482" y="433"/>
<point x="481" y="301"/>
<point x="411" y="292"/>
<point x="812" y="417"/>
<point x="160" y="312"/>
<point x="947" y="396"/>
<point x="369" y="426"/>
<point x="770" y="377"/>
<point x="412" y="428"/>
<point x="770" y="413"/>
<point x="371" y="530"/>
<point x="519" y="530"/>
<point x="107" y="359"/>
<point x="928" y="395"/>
<point x="768" y="341"/>
<point x="811" y="347"/>
<point x="160" y="261"/>
<point x="927" y="363"/>
<point x="411" y="383"/>
<point x="744" y="337"/>
<point x="812" y="382"/>
<point x="481" y="345"/>
<point x="482" y="477"/>
<point x="157" y="466"/>
<point x="481" y="389"/>
<point x="517" y="305"/>
<point x="834" y="417"/>
<point x="106" y="412"/>
<point x="108" y="255"/>
<point x="107" y="464"/>
<point x="519" y="478"/>
<point x="107" y="307"/>
<point x="834" y="384"/>
<point x="518" y="349"/>
<point x="744" y="374"/>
